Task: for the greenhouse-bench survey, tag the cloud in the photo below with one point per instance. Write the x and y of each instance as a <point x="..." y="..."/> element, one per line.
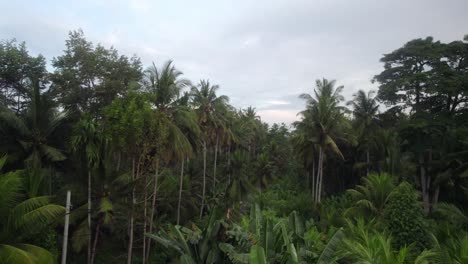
<point x="262" y="53"/>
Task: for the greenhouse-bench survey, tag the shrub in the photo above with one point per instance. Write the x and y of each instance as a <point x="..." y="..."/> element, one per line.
<point x="404" y="218"/>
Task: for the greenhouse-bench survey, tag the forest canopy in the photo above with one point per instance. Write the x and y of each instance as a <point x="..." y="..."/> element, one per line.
<point x="163" y="169"/>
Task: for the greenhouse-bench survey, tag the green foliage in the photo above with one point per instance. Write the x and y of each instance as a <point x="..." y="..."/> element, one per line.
<point x="21" y="219"/>
<point x="149" y="142"/>
<point x="283" y="201"/>
<point x="371" y="198"/>
<point x="404" y="218"/>
<point x="17" y="70"/>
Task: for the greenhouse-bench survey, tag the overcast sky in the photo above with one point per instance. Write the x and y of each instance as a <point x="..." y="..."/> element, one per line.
<point x="261" y="53"/>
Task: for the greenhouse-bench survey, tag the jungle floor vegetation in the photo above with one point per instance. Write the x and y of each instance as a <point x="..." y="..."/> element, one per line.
<point x="164" y="170"/>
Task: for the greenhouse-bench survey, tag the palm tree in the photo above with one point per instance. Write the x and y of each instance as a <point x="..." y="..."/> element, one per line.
<point x="88" y="141"/>
<point x="371" y="197"/>
<point x="174" y="122"/>
<point x="241" y="184"/>
<point x="111" y="188"/>
<point x="364" y="246"/>
<point x="264" y="170"/>
<point x="452" y="251"/>
<point x="210" y="108"/>
<point x="365" y="110"/>
<point x="322" y="120"/>
<point x="251" y="128"/>
<point x="23" y="218"/>
<point x="32" y="137"/>
<point x="306" y="150"/>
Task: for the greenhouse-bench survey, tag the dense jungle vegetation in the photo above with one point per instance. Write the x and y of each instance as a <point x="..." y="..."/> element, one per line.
<point x="164" y="170"/>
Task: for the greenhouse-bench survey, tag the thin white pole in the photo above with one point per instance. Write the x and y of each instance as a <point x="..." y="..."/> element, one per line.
<point x="65" y="229"/>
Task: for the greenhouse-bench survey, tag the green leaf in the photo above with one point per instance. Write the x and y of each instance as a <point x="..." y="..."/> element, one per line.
<point x="257" y="255"/>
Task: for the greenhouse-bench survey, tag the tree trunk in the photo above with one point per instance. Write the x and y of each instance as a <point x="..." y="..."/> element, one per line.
<point x="435" y="197"/>
<point x="320" y="176"/>
<point x="65" y="229"/>
<point x="153" y="208"/>
<point x="130" y="231"/>
<point x="119" y="159"/>
<point x="145" y="217"/>
<point x="229" y="165"/>
<point x="96" y="237"/>
<point x="424" y="189"/>
<point x="215" y="159"/>
<point x="313" y="180"/>
<point x="89" y="216"/>
<point x="181" y="182"/>
<point x="368" y="162"/>
<point x="204" y="179"/>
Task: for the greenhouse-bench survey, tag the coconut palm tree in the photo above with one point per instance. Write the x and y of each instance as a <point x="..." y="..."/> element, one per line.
<point x="209" y="108"/>
<point x="323" y="119"/>
<point x="22" y="218"/>
<point x="32" y="137"/>
<point x="365" y="110"/>
<point x="174" y="122"/>
<point x="241" y="184"/>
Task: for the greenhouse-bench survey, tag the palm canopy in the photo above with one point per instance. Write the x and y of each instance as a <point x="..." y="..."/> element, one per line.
<point x="164" y="83"/>
<point x="173" y="116"/>
<point x="324" y="117"/>
<point x="372" y="196"/>
<point x="23" y="216"/>
<point x="365" y="108"/>
<point x="30" y="136"/>
<point x="208" y="105"/>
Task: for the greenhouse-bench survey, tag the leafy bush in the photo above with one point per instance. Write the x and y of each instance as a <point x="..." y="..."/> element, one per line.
<point x="404" y="218"/>
<point x="284" y="202"/>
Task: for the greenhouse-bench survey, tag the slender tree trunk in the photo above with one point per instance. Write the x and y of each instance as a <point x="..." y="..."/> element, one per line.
<point x="130" y="231"/>
<point x="153" y="208"/>
<point x="424" y="189"/>
<point x="96" y="237"/>
<point x="368" y="162"/>
<point x="313" y="180"/>
<point x="320" y="176"/>
<point x="181" y="182"/>
<point x="65" y="229"/>
<point x="435" y="197"/>
<point x="89" y="216"/>
<point x="204" y="179"/>
<point x="119" y="160"/>
<point x="229" y="164"/>
<point x="313" y="177"/>
<point x="215" y="160"/>
<point x="145" y="217"/>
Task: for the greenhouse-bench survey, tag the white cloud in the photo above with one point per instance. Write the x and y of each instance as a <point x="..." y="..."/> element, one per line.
<point x="262" y="53"/>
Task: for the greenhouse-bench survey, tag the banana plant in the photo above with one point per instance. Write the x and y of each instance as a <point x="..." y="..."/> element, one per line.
<point x="195" y="245"/>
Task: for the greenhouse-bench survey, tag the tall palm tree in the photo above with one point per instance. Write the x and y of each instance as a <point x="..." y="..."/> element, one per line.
<point x="251" y="128"/>
<point x="174" y="122"/>
<point x="87" y="140"/>
<point x="110" y="187"/>
<point x="322" y="120"/>
<point x="22" y="218"/>
<point x="210" y="108"/>
<point x="365" y="110"/>
<point x="241" y="185"/>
